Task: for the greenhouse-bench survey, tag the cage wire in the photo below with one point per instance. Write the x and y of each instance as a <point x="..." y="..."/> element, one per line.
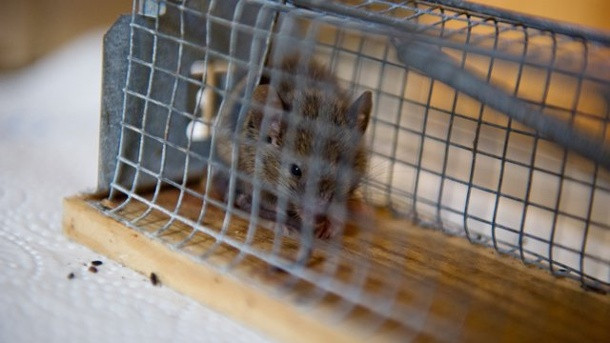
<point x="484" y="124"/>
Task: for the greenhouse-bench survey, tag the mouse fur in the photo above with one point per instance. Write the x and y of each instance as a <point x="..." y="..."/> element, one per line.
<point x="306" y="134"/>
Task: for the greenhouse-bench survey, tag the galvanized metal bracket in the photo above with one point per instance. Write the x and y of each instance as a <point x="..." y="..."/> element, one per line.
<point x="135" y="38"/>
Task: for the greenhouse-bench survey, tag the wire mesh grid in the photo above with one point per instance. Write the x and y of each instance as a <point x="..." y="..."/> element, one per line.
<point x="443" y="150"/>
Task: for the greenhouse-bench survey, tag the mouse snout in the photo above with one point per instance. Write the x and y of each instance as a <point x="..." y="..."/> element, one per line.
<point x="325" y="186"/>
<point x="318" y="205"/>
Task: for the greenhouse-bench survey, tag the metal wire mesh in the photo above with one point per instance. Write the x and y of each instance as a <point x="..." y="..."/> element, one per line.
<point x="443" y="150"/>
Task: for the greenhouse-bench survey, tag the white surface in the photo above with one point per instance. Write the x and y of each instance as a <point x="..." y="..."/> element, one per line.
<point x="48" y="149"/>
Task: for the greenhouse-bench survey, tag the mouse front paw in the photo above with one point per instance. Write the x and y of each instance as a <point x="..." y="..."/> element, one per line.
<point x="325" y="229"/>
<point x="243" y="202"/>
<point x="282" y="229"/>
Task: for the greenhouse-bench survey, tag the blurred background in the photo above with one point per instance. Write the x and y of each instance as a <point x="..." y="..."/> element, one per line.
<point x="30" y="29"/>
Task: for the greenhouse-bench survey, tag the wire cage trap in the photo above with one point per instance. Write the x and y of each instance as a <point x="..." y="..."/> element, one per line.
<point x="484" y="124"/>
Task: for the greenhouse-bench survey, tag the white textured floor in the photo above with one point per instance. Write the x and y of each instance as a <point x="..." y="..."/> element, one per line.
<point x="48" y="150"/>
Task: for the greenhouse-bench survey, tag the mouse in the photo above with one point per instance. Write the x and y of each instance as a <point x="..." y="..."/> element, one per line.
<point x="302" y="139"/>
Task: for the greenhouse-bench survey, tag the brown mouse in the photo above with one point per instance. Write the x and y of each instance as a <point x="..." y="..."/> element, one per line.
<point x="307" y="136"/>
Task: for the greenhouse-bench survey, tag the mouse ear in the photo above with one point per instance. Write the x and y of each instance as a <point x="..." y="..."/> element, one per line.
<point x="273" y="109"/>
<point x="360" y="111"/>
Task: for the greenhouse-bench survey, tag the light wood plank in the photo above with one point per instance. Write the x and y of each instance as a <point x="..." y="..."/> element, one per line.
<point x="466" y="292"/>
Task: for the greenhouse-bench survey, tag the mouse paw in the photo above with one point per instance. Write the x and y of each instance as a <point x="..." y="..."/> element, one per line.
<point x="325" y="229"/>
<point x="282" y="229"/>
<point x="244" y="202"/>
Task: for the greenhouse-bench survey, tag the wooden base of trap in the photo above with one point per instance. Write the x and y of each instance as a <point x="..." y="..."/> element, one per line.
<point x="487" y="296"/>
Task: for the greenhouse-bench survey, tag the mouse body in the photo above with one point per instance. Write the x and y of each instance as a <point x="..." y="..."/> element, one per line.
<point x="301" y="141"/>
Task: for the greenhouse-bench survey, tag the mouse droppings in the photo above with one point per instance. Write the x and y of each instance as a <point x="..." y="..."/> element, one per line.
<point x="92" y="269"/>
<point x="71" y="276"/>
<point x="96" y="263"/>
<point x="154" y="279"/>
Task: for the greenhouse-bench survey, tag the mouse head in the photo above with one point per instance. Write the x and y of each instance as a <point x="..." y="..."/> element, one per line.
<point x="310" y="144"/>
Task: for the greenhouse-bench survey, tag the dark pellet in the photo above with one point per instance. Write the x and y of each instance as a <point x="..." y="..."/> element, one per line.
<point x="154" y="279"/>
<point x="96" y="263"/>
<point x="70" y="276"/>
<point x="93" y="269"/>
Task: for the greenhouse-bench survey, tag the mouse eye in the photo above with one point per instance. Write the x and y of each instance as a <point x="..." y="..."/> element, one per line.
<point x="295" y="170"/>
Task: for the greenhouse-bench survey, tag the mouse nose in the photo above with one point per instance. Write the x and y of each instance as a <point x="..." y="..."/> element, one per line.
<point x="320" y="203"/>
<point x="325" y="187"/>
<point x="326" y="190"/>
<point x="316" y="207"/>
